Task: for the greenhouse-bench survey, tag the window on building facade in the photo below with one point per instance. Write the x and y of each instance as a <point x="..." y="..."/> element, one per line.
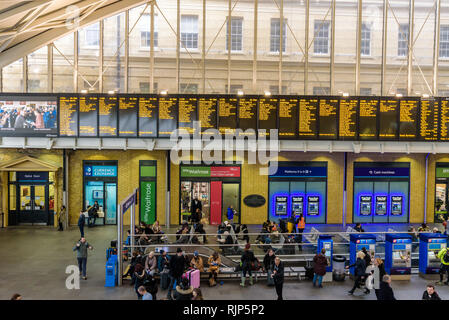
<point x="321" y="90"/>
<point x="403" y="40"/>
<point x="365" y="48"/>
<point x="402" y="91"/>
<point x="145" y="87"/>
<point x="92" y="35"/>
<point x="444" y="41"/>
<point x="236" y="34"/>
<point x="321" y="42"/>
<point x="275" y="35"/>
<point x="145" y="31"/>
<point x="234" y="88"/>
<point x="189" y="32"/>
<point x="187" y="88"/>
<point x="275" y="90"/>
<point x="365" y="91"/>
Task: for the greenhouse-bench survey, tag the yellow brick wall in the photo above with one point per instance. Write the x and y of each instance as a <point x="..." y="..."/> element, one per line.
<point x="432" y="160"/>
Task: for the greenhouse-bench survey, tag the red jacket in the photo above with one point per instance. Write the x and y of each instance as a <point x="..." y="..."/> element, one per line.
<point x="320" y="264"/>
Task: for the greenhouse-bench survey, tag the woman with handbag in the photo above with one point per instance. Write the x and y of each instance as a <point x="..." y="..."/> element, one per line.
<point x="248" y="263"/>
<point x="214" y="268"/>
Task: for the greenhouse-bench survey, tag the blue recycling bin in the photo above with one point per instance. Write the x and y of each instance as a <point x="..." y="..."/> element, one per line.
<point x="429" y="246"/>
<point x="357" y="242"/>
<point x="398" y="255"/>
<point x="111" y="272"/>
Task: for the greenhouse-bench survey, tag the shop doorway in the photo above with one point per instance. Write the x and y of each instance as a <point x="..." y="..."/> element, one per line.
<point x="191" y="190"/>
<point x="105" y="193"/>
<point x="33" y="204"/>
<point x="231" y="196"/>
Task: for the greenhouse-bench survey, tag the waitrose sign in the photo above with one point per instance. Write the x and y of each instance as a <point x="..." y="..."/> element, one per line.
<point x="442" y="173"/>
<point x="148" y="201"/>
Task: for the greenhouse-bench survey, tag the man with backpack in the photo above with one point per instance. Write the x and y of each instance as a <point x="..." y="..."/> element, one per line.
<point x="443" y="255"/>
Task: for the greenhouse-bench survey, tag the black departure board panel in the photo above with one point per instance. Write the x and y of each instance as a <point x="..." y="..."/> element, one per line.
<point x="348" y="119"/>
<point x="207" y="113"/>
<point x="308" y="115"/>
<point x="68" y="116"/>
<point x="428" y="128"/>
<point x="368" y="113"/>
<point x="444" y="119"/>
<point x="88" y="116"/>
<point x="248" y="115"/>
<point x="187" y="113"/>
<point x="288" y="113"/>
<point x="388" y="119"/>
<point x="268" y="108"/>
<point x="408" y="118"/>
<point x="328" y="118"/>
<point x="108" y="116"/>
<point x="167" y="116"/>
<point x="127" y="110"/>
<point x="148" y="107"/>
<point x="227" y="115"/>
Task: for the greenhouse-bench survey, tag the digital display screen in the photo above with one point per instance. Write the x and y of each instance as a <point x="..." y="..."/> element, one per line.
<point x="68" y="116"/>
<point x="388" y="119"/>
<point x="187" y="113"/>
<point x="328" y="118"/>
<point x="281" y="205"/>
<point x="368" y="109"/>
<point x="108" y="116"/>
<point x="365" y="205"/>
<point x="207" y="113"/>
<point x="88" y="116"/>
<point x="444" y="119"/>
<point x="127" y="109"/>
<point x="408" y="119"/>
<point x="227" y="115"/>
<point x="248" y="115"/>
<point x="267" y="115"/>
<point x="297" y="205"/>
<point x="167" y="116"/>
<point x="308" y="115"/>
<point x="148" y="107"/>
<point x="313" y="206"/>
<point x="288" y="113"/>
<point x="429" y="120"/>
<point x="381" y="205"/>
<point x="396" y="205"/>
<point x="348" y="119"/>
<point x="29" y="116"/>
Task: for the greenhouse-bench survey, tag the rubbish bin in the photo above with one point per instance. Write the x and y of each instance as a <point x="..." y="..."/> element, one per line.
<point x="339" y="273"/>
<point x="111" y="272"/>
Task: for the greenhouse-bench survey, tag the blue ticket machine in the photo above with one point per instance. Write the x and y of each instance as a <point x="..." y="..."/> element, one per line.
<point x="357" y="242"/>
<point x="327" y="243"/>
<point x="398" y="256"/>
<point x="429" y="246"/>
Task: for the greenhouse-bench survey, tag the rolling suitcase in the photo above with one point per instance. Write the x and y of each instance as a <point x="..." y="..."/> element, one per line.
<point x="194" y="277"/>
<point x="165" y="280"/>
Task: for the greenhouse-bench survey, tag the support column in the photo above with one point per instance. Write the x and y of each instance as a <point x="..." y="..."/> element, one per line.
<point x="332" y="62"/>
<point x="436" y="48"/>
<point x="229" y="45"/>
<point x="50" y="67"/>
<point x="306" y="52"/>
<point x="75" y="61"/>
<point x="384" y="49"/>
<point x="281" y="47"/>
<point x="100" y="69"/>
<point x="126" y="75"/>
<point x="358" y="46"/>
<point x="203" y="51"/>
<point x="410" y="48"/>
<point x="178" y="43"/>
<point x="256" y="14"/>
<point x="152" y="49"/>
<point x="25" y="74"/>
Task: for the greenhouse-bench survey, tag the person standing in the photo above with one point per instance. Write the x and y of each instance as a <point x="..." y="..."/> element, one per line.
<point x="300" y="226"/>
<point x="268" y="262"/>
<point x="443" y="255"/>
<point x="319" y="268"/>
<point x="61" y="218"/>
<point x="177" y="266"/>
<point x="430" y="293"/>
<point x="359" y="272"/>
<point x="385" y="291"/>
<point x="194" y="206"/>
<point x="230" y="213"/>
<point x="278" y="276"/>
<point x="248" y="259"/>
<point x="81" y="223"/>
<point x="81" y="255"/>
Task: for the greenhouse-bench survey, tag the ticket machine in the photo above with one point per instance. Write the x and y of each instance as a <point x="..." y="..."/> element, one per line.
<point x="313" y="205"/>
<point x="297" y="205"/>
<point x="281" y="205"/>
<point x="326" y="242"/>
<point x="429" y="246"/>
<point x="357" y="242"/>
<point x="398" y="256"/>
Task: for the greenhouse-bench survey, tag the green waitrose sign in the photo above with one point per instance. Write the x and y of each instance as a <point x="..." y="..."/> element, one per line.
<point x="148" y="201"/>
<point x="195" y="172"/>
<point x="442" y="172"/>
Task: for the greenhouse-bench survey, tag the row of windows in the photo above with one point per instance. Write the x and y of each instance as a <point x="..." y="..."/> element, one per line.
<point x="189" y="36"/>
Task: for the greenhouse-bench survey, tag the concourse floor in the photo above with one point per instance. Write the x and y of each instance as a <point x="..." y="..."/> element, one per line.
<point x="34" y="259"/>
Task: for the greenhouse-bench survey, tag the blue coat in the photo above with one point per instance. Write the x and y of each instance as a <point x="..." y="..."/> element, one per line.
<point x="230" y="213"/>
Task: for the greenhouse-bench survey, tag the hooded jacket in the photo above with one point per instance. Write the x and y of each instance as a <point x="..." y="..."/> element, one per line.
<point x="320" y="264"/>
<point x="183" y="293"/>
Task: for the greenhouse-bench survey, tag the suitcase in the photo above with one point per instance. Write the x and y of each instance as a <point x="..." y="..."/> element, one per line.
<point x="165" y="280"/>
<point x="194" y="277"/>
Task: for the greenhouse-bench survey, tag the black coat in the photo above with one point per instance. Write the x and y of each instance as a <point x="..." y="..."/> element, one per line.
<point x="247" y="258"/>
<point x="177" y="266"/>
<point x="279" y="276"/>
<point x="196" y="204"/>
<point x="360" y="267"/>
<point x="385" y="292"/>
<point x="82" y="220"/>
<point x="434" y="296"/>
<point x="268" y="261"/>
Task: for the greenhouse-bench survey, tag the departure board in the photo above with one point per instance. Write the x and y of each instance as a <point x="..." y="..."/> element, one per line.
<point x="267" y="115"/>
<point x="444" y="119"/>
<point x="347" y="127"/>
<point x="127" y="120"/>
<point x="108" y="116"/>
<point x="187" y="108"/>
<point x="68" y="116"/>
<point x="368" y="109"/>
<point x="88" y="116"/>
<point x="328" y="118"/>
<point x="428" y="128"/>
<point x="227" y="115"/>
<point x="388" y="119"/>
<point x="207" y="114"/>
<point x="288" y="115"/>
<point x="308" y="115"/>
<point x="167" y="116"/>
<point x="408" y="118"/>
<point x="248" y="115"/>
<point x="148" y="116"/>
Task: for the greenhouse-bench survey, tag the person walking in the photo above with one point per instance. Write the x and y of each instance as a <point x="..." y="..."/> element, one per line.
<point x="385" y="291"/>
<point x="443" y="255"/>
<point x="380" y="265"/>
<point x="278" y="276"/>
<point x="248" y="259"/>
<point x="177" y="266"/>
<point x="430" y="293"/>
<point x="61" y="218"/>
<point x="319" y="267"/>
<point x="81" y="255"/>
<point x="81" y="223"/>
<point x="359" y="272"/>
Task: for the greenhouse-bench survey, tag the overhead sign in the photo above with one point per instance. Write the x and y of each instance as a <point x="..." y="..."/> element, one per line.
<point x="301" y="172"/>
<point x="210" y="172"/>
<point x="381" y="172"/>
<point x="148" y="201"/>
<point x="32" y="176"/>
<point x="100" y="171"/>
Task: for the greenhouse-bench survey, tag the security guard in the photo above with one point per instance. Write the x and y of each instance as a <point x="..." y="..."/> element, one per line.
<point x="443" y="255"/>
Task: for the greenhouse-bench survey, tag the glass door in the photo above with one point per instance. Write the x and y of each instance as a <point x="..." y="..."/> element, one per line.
<point x="441" y="202"/>
<point x="25" y="205"/>
<point x="231" y="197"/>
<point x="111" y="203"/>
<point x="33" y="204"/>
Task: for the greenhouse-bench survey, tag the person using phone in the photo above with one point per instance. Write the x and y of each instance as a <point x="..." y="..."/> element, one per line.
<point x="81" y="255"/>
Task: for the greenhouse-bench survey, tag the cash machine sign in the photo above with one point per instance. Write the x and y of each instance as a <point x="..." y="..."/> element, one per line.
<point x="313" y="199"/>
<point x="365" y="198"/>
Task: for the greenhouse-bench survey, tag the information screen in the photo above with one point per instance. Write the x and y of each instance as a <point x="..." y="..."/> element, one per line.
<point x="328" y="118"/>
<point x="365" y="205"/>
<point x="188" y="112"/>
<point x="128" y="116"/>
<point x="88" y="116"/>
<point x="428" y="129"/>
<point x="248" y="115"/>
<point x="207" y="113"/>
<point x="227" y="115"/>
<point x="408" y="119"/>
<point x="167" y="116"/>
<point x="108" y="116"/>
<point x="28" y="116"/>
<point x="388" y="119"/>
<point x="68" y="116"/>
<point x="308" y="115"/>
<point x="347" y="128"/>
<point x="444" y="119"/>
<point x="267" y="115"/>
<point x="368" y="109"/>
<point x="288" y="115"/>
<point x="148" y="116"/>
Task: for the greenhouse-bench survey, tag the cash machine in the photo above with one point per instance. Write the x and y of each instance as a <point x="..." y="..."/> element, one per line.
<point x="281" y="205"/>
<point x="297" y="205"/>
<point x="398" y="255"/>
<point x="326" y="242"/>
<point x="356" y="243"/>
<point x="429" y="246"/>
